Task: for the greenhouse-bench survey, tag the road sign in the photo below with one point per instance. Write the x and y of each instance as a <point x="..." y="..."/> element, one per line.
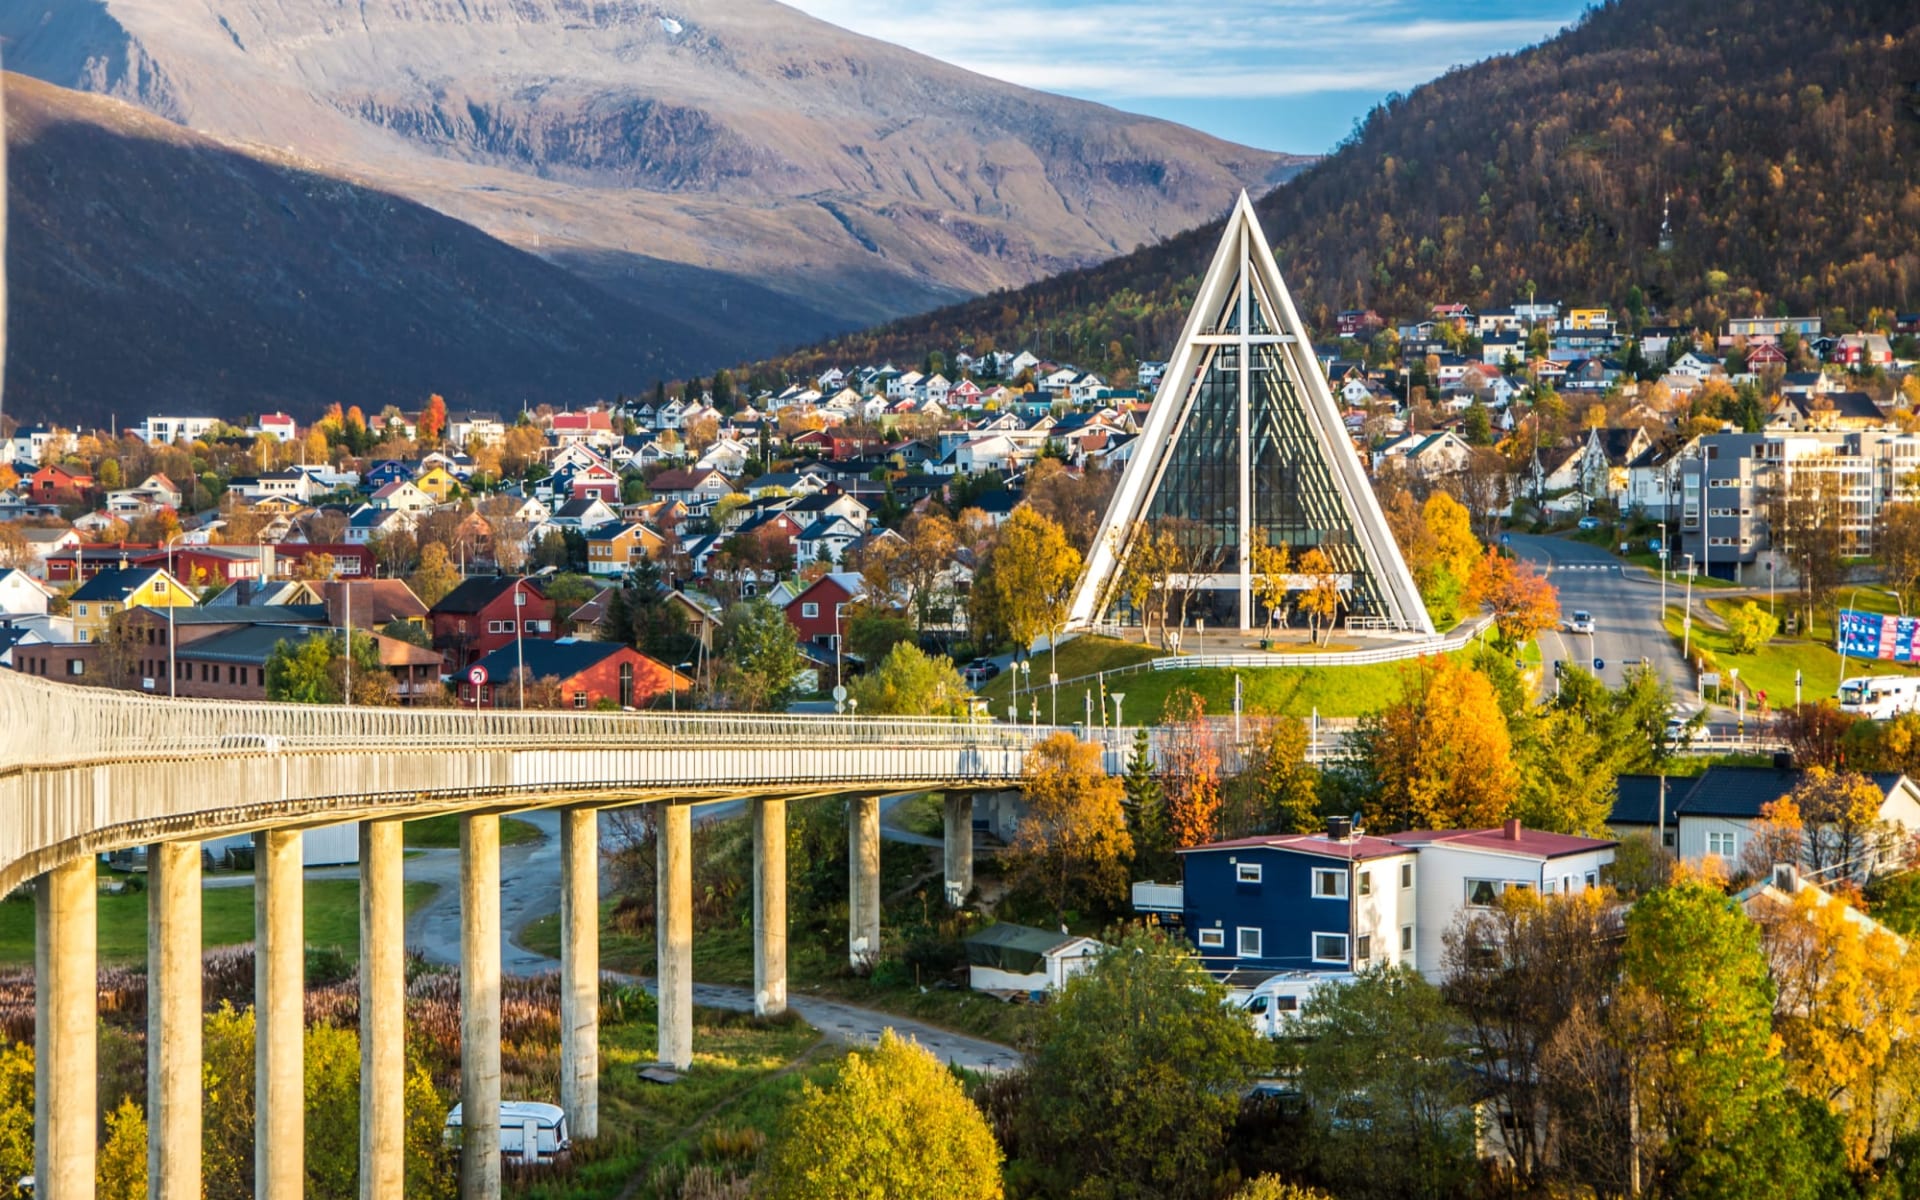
<point x="839" y="693"/>
<point x="477" y="675"/>
<point x="1599" y="665"/>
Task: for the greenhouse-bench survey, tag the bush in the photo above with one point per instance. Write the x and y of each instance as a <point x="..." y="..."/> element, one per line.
<point x="1752" y="628"/>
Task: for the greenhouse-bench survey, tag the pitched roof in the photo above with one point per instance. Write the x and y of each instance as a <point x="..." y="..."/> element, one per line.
<point x="1511" y="838"/>
<point x="475" y="594"/>
<point x="561" y="659"/>
<point x="1355" y="849"/>
<point x="117" y="584"/>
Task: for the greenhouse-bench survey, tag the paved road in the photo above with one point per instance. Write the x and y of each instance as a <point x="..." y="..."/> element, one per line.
<point x="1625" y="604"/>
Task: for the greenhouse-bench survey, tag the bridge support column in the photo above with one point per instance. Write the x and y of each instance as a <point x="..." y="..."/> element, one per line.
<point x="580" y="969"/>
<point x="673" y="934"/>
<point x="66" y="1009"/>
<point x="958" y="811"/>
<point x="280" y="1017"/>
<point x="863" y="882"/>
<point x="769" y="907"/>
<point x="480" y="1006"/>
<point x="383" y="1015"/>
<point x="173" y="1021"/>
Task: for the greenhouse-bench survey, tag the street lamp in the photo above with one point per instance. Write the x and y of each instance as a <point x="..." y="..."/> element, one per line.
<point x="1663" y="572"/>
<point x="1686" y="618"/>
<point x="674" y="692"/>
<point x="519" y="641"/>
<point x="171" y="600"/>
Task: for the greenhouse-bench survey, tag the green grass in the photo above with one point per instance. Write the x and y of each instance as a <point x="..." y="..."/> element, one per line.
<point x="1676" y="577"/>
<point x="332" y="919"/>
<point x="744" y="1075"/>
<point x="443" y="832"/>
<point x="1266" y="691"/>
<point x="923" y="814"/>
<point x="1082" y="656"/>
<point x="1772" y="669"/>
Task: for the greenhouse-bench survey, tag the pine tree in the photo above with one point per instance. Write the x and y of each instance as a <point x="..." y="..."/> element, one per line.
<point x="1148" y="804"/>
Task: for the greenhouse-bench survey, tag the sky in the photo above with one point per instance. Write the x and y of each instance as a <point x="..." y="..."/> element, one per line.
<point x="1288" y="75"/>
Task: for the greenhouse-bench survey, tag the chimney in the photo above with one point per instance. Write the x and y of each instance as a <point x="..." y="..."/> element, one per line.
<point x="1512" y="830"/>
<point x="1339" y="829"/>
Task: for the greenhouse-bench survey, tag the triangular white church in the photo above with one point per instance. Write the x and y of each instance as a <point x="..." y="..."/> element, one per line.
<point x="1245" y="443"/>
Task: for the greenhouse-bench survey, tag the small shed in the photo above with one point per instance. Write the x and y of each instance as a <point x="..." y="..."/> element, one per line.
<point x="1019" y="958"/>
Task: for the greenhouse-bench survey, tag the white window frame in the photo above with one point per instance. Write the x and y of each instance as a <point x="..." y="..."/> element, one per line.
<point x="1494" y="884"/>
<point x="1344" y="945"/>
<point x="1240" y="933"/>
<point x="1212" y="939"/>
<point x="1717" y="838"/>
<point x="1366" y="883"/>
<point x="1406" y="876"/>
<point x="1246" y="872"/>
<point x="809" y="609"/>
<point x="1363" y="948"/>
<point x="1339" y="878"/>
<point x="1406" y="939"/>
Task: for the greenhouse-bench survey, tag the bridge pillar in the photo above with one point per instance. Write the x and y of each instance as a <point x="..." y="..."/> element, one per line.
<point x="66" y="1009"/>
<point x="863" y="882"/>
<point x="769" y="907"/>
<point x="280" y="1017"/>
<point x="383" y="1012"/>
<point x="580" y="969"/>
<point x="673" y="934"/>
<point x="480" y="1006"/>
<point x="173" y="1021"/>
<point x="959" y="846"/>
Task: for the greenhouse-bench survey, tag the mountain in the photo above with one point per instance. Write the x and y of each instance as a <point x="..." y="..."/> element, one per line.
<point x="1780" y="139"/>
<point x="152" y="268"/>
<point x="762" y="174"/>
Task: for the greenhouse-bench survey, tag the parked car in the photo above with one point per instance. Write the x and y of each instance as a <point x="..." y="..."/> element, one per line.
<point x="552" y="1141"/>
<point x="1681" y="727"/>
<point x="1580" y="622"/>
<point x="1589" y="522"/>
<point x="979" y="671"/>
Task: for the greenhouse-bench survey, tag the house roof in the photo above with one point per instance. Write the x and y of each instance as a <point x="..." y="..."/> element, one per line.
<point x="1740" y="792"/>
<point x="1636" y="799"/>
<point x="372" y="602"/>
<point x="116" y="584"/>
<point x="1359" y="849"/>
<point x="474" y="595"/>
<point x="1511" y="838"/>
<point x="561" y="659"/>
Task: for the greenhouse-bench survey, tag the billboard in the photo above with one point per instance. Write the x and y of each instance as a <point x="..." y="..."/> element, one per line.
<point x="1875" y="635"/>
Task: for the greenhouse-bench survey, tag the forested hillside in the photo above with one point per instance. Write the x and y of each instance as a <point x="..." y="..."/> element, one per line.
<point x="1783" y="136"/>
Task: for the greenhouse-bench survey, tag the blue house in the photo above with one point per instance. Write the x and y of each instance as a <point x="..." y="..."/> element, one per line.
<point x="385" y="472"/>
<point x="1332" y="901"/>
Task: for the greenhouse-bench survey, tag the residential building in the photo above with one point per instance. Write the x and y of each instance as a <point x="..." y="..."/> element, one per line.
<point x="21" y="595"/>
<point x="589" y="675"/>
<point x="486" y="613"/>
<point x="818" y="614"/>
<point x="612" y="549"/>
<point x="94" y="605"/>
<point x="164" y="431"/>
<point x="1770" y="329"/>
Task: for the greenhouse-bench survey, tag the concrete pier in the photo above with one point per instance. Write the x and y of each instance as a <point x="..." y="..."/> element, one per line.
<point x="174" y="1055"/>
<point x="580" y="969"/>
<point x="673" y="934"/>
<point x="863" y="882"/>
<point x="280" y="1017"/>
<point x="480" y="1006"/>
<point x="66" y="1010"/>
<point x="957" y="810"/>
<point x="383" y="1012"/>
<point x="769" y="907"/>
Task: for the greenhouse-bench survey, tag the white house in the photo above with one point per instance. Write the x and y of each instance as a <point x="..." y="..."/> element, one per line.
<point x="164" y="431"/>
<point x="1016" y="958"/>
<point x="21" y="595"/>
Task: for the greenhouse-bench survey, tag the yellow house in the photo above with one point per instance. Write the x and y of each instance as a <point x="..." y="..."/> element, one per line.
<point x="93" y="606"/>
<point x="1594" y="320"/>
<point x="436" y="482"/>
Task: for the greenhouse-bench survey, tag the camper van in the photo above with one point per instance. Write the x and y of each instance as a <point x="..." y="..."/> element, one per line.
<point x="546" y="1123"/>
<point x="1275" y="1003"/>
<point x="1880" y="696"/>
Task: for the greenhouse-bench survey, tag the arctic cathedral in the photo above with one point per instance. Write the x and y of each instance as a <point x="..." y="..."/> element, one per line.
<point x="1244" y="445"/>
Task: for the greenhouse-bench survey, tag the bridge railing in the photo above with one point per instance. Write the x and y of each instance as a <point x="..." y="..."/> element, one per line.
<point x="42" y="722"/>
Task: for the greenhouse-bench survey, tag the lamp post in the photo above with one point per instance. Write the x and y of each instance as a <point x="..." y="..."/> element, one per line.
<point x="1663" y="572"/>
<point x="674" y="692"/>
<point x="519" y="641"/>
<point x="171" y="583"/>
<point x="1686" y="617"/>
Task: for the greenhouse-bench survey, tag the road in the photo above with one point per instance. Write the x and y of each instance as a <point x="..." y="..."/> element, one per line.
<point x="1625" y="603"/>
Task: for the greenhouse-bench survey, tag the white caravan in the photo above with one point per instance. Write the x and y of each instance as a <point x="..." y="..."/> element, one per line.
<point x="1880" y="696"/>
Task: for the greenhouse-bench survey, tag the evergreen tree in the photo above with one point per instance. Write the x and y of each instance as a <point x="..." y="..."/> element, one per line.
<point x="1147" y="802"/>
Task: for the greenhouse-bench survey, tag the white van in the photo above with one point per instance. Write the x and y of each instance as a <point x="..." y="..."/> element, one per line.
<point x="1880" y="696"/>
<point x="1274" y="1005"/>
<point x="546" y="1123"/>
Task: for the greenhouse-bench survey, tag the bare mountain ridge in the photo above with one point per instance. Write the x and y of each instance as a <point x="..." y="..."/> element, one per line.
<point x="622" y="137"/>
<point x="154" y="268"/>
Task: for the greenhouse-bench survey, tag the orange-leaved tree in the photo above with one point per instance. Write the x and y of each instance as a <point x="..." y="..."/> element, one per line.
<point x="433" y="420"/>
<point x="1524" y="604"/>
<point x="1191" y="764"/>
<point x="1440" y="757"/>
<point x="1073" y="845"/>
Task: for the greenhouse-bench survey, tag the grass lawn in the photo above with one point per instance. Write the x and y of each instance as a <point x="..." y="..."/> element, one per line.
<point x="332" y="919"/>
<point x="744" y="1074"/>
<point x="1266" y="691"/>
<point x="1772" y="669"/>
<point x="443" y="832"/>
<point x="1086" y="655"/>
<point x="924" y="814"/>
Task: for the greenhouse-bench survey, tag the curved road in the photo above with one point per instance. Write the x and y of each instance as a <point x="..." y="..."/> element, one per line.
<point x="1625" y="603"/>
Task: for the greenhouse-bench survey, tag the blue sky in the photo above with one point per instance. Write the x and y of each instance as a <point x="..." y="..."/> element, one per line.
<point x="1280" y="74"/>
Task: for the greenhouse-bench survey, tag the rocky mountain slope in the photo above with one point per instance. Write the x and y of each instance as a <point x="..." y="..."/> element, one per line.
<point x="152" y="268"/>
<point x="774" y="175"/>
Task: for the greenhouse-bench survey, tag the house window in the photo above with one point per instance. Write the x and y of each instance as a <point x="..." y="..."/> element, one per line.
<point x="1246" y="873"/>
<point x="1363" y="948"/>
<point x="1329" y="885"/>
<point x="1213" y="939"/>
<point x="579" y="699"/>
<point x="1406" y="875"/>
<point x="626" y="685"/>
<point x="1593" y="878"/>
<point x="809" y="609"/>
<point x="1481" y="893"/>
<point x="83" y="610"/>
<point x="1720" y="844"/>
<point x="506" y="627"/>
<point x="76" y="666"/>
<point x="1406" y="939"/>
<point x="1549" y="887"/>
<point x="1248" y="937"/>
<point x="1330" y="947"/>
<point x="1366" y="883"/>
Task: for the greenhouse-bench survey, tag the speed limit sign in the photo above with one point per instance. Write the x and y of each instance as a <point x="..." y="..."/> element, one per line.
<point x="477" y="676"/>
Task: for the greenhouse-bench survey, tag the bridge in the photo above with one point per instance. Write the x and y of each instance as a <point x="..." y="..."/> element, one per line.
<point x="85" y="770"/>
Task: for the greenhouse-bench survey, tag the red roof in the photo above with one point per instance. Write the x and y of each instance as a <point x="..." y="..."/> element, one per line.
<point x="1508" y="839"/>
<point x="1310" y="843"/>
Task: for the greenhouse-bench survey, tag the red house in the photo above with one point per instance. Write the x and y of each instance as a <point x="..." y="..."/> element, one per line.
<point x="351" y="560"/>
<point x="819" y="614"/>
<point x="590" y="674"/>
<point x="55" y="484"/>
<point x="1766" y="354"/>
<point x="595" y="482"/>
<point x="482" y="615"/>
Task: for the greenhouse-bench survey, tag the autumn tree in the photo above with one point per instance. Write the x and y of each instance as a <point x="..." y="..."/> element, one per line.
<point x="1751" y="628"/>
<point x="910" y="682"/>
<point x="1779" y="836"/>
<point x="1524" y="604"/>
<point x="1072" y="846"/>
<point x="433" y="421"/>
<point x="435" y="576"/>
<point x="1322" y="599"/>
<point x="16" y="1115"/>
<point x="890" y="1121"/>
<point x="316" y="671"/>
<point x="1897" y="545"/>
<point x="1842" y="813"/>
<point x="1440" y="757"/>
<point x="1271" y="578"/>
<point x="1034" y="571"/>
<point x="1135" y="1077"/>
<point x="1190" y="771"/>
<point x="762" y="658"/>
<point x="1279" y="790"/>
<point x="15" y="553"/>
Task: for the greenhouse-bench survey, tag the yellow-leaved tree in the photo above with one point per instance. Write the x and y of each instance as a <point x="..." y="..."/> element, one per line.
<point x="1440" y="757"/>
<point x="121" y="1169"/>
<point x="1033" y="571"/>
<point x="1073" y="845"/>
<point x="891" y="1122"/>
